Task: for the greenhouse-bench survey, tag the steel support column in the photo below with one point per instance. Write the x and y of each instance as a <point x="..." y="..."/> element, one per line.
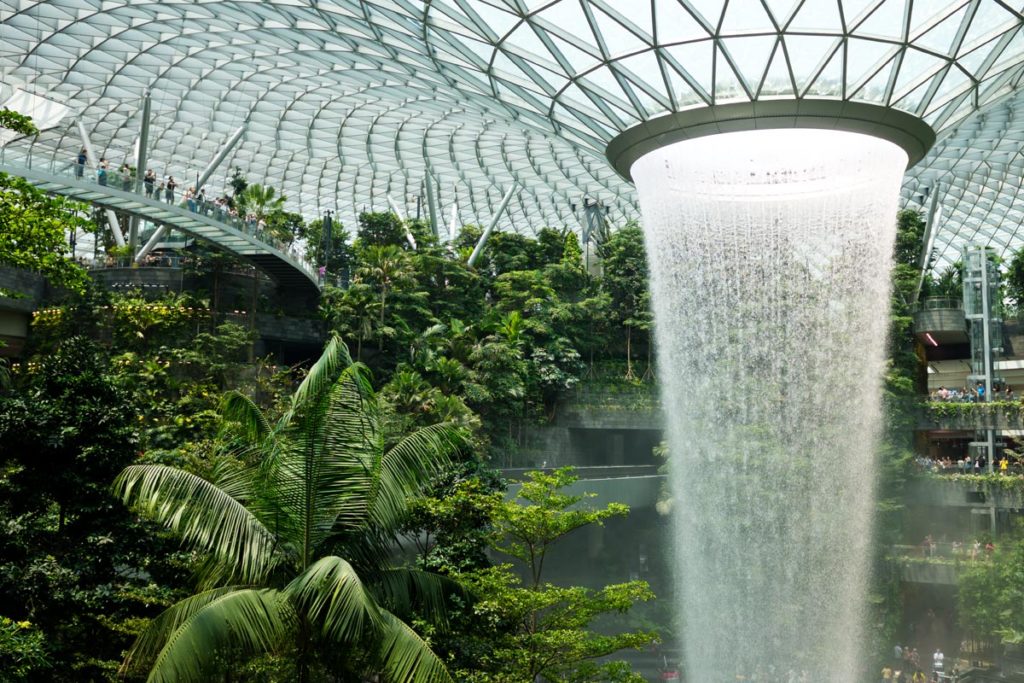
<point x="930" y="226"/>
<point x="115" y="228"/>
<point x="235" y="138"/>
<point x="401" y="217"/>
<point x="490" y="228"/>
<point x="432" y="206"/>
<point x="140" y="167"/>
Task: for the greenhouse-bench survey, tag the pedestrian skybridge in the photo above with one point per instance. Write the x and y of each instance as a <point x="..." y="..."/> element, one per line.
<point x="228" y="233"/>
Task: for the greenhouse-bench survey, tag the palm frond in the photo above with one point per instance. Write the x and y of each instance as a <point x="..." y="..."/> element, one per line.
<point x="320" y="474"/>
<point x="159" y="630"/>
<point x="403" y="590"/>
<point x="404" y="470"/>
<point x="239" y="409"/>
<point x="407" y="658"/>
<point x="321" y="376"/>
<point x="332" y="596"/>
<point x="203" y="515"/>
<point x="250" y="621"/>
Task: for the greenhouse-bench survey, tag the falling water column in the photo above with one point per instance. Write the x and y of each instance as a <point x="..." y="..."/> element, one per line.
<point x="770" y="254"/>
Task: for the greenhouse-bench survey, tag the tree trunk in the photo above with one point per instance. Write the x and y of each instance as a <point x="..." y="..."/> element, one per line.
<point x="252" y="315"/>
<point x="629" y="353"/>
<point x="383" y="303"/>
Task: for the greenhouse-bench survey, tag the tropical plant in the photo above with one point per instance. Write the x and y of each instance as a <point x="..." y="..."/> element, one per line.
<point x="19" y="123"/>
<point x="534" y="630"/>
<point x="261" y="201"/>
<point x="34" y="229"/>
<point x="296" y="534"/>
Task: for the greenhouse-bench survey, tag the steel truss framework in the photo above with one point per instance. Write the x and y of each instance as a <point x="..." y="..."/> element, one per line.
<point x="347" y="102"/>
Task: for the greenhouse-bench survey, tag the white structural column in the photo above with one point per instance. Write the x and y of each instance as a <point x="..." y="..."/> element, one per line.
<point x="490" y="228"/>
<point x="140" y="167"/>
<point x="232" y="142"/>
<point x="931" y="222"/>
<point x="431" y="203"/>
<point x="115" y="228"/>
<point x="401" y="217"/>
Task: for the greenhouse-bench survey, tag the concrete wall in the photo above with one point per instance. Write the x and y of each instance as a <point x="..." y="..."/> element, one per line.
<point x="16" y="312"/>
<point x="929" y="572"/>
<point x="933" y="491"/>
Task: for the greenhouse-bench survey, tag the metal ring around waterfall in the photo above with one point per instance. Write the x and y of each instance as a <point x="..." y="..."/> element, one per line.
<point x="910" y="133"/>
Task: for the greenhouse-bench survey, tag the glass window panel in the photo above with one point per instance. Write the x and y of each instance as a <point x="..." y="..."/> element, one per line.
<point x="710" y="10"/>
<point x="777" y="81"/>
<point x="742" y="16"/>
<point x="620" y="41"/>
<point x="829" y="82"/>
<point x="751" y="55"/>
<point x="727" y="83"/>
<point x="875" y="88"/>
<point x="863" y="57"/>
<point x="675" y="24"/>
<point x="822" y="15"/>
<point x="885" y="22"/>
<point x="940" y="37"/>
<point x="807" y="54"/>
<point x="696" y="59"/>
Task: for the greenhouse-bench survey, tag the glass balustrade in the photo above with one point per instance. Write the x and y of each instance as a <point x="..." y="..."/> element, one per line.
<point x="126" y="182"/>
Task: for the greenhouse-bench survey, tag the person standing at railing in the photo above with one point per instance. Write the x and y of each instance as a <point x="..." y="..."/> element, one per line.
<point x="101" y="172"/>
<point x="169" y="189"/>
<point x="80" y="164"/>
<point x="149" y="182"/>
<point x="190" y="199"/>
<point x="204" y="207"/>
<point x="126" y="177"/>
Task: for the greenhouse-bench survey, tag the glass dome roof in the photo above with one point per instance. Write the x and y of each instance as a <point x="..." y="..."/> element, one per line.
<point x="346" y="102"/>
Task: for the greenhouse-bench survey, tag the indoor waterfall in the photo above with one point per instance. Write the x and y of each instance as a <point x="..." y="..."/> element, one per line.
<point x="770" y="255"/>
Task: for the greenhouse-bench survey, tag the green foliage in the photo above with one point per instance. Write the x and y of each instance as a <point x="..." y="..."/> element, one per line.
<point x="338" y="256"/>
<point x="295" y="544"/>
<point x="625" y="279"/>
<point x="533" y="630"/>
<point x="938" y="410"/>
<point x="1014" y="280"/>
<point x="381" y="230"/>
<point x="260" y="201"/>
<point x="910" y="226"/>
<point x="995" y="481"/>
<point x="73" y="562"/>
<point x="238" y="183"/>
<point x="33" y="232"/>
<point x="19" y="123"/>
<point x="23" y="655"/>
<point x="949" y="283"/>
<point x="990" y="595"/>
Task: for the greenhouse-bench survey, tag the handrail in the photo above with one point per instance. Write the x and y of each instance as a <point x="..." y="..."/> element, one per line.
<point x="76" y="173"/>
<point x="935" y="303"/>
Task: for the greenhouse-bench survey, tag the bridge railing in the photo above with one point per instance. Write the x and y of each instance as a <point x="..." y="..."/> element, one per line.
<point x="126" y="182"/>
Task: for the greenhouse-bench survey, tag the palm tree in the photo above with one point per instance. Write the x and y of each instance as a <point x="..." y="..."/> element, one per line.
<point x="297" y="544"/>
<point x="261" y="201"/>
<point x="386" y="268"/>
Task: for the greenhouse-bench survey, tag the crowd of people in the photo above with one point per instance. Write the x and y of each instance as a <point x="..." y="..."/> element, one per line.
<point x="165" y="190"/>
<point x="973" y="550"/>
<point x="965" y="465"/>
<point x="907" y="667"/>
<point x="975" y="395"/>
<point x="195" y="200"/>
